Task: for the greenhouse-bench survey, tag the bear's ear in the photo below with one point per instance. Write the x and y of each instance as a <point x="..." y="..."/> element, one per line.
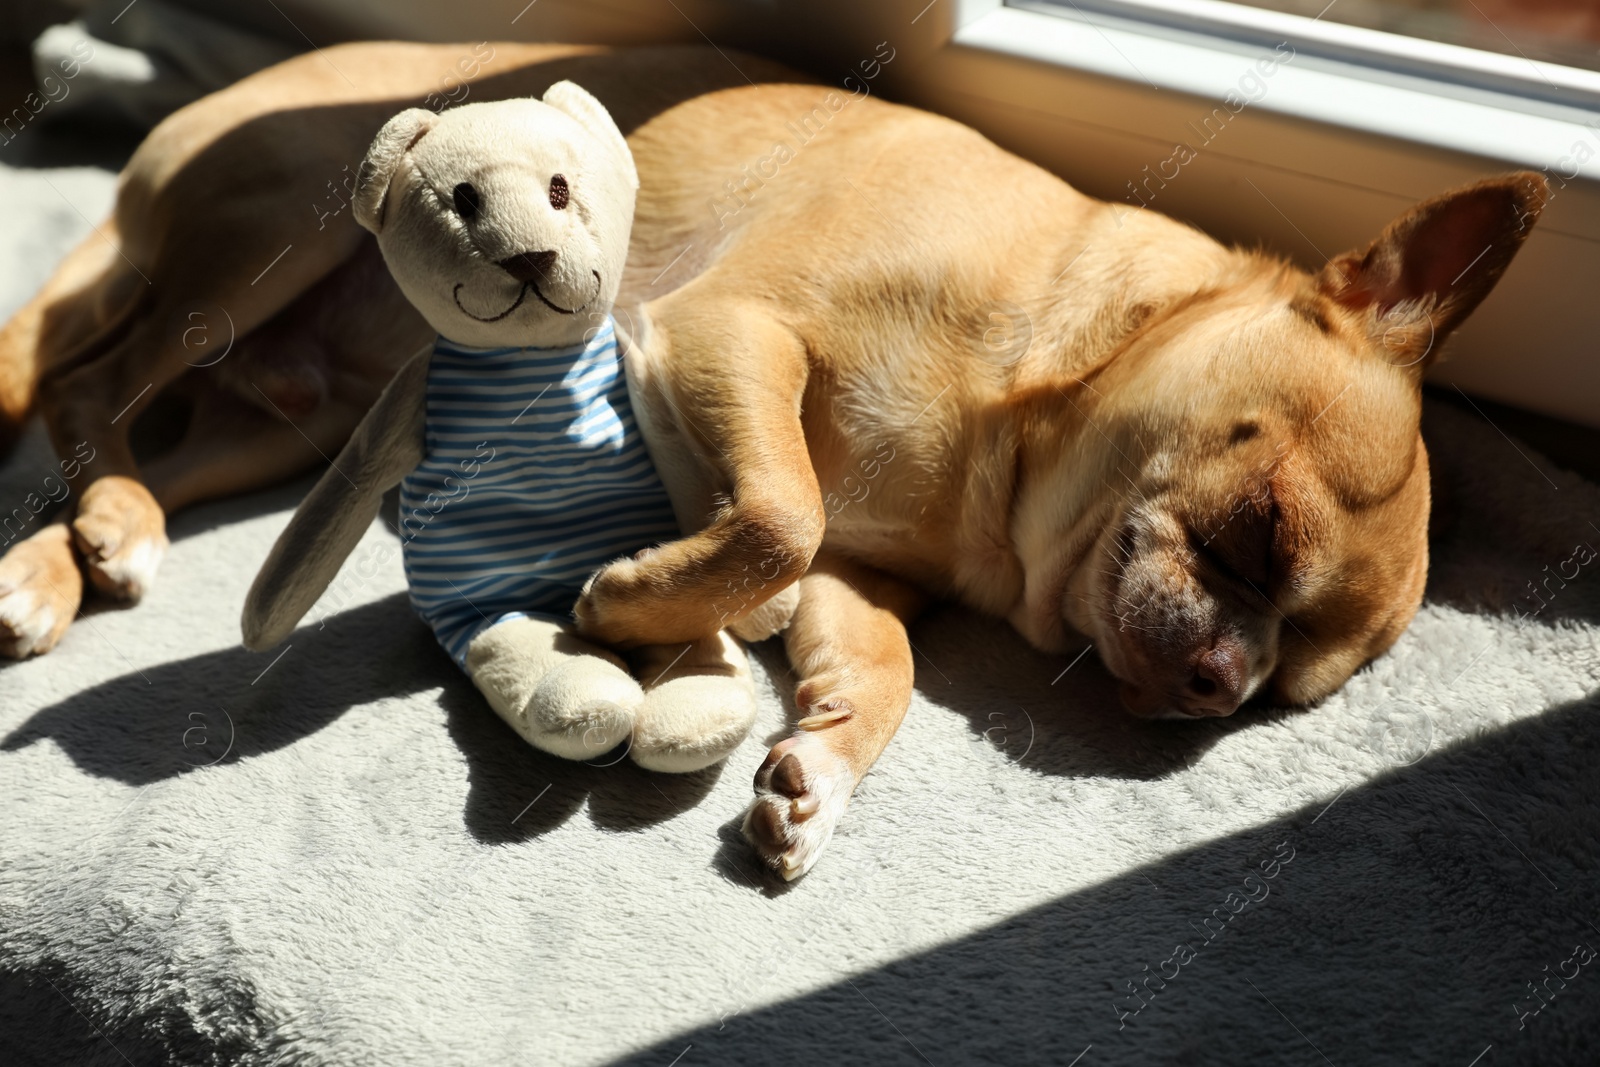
<point x="392" y="142"/>
<point x="592" y="115"/>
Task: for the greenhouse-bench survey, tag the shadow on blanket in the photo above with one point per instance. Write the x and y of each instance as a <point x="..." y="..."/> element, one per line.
<point x="134" y="730"/>
<point x="1403" y="922"/>
<point x="1405" y="926"/>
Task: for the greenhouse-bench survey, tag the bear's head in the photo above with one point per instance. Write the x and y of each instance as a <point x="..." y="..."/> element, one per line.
<point x="505" y="223"/>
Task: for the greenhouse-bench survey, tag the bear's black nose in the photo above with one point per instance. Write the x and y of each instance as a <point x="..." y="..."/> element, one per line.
<point x="528" y="266"/>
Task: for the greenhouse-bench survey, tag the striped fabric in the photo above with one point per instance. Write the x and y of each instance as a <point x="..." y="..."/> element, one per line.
<point x="536" y="475"/>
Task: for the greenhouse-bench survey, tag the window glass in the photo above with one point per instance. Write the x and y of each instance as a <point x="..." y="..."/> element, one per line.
<point x="1555" y="31"/>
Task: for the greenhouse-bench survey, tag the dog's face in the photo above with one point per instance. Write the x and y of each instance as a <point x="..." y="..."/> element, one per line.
<point x="1276" y="537"/>
<point x="1271" y="535"/>
<point x="504" y="223"/>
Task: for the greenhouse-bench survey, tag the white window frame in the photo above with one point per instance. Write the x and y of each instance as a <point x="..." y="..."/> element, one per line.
<point x="1520" y="80"/>
<point x="1469" y="106"/>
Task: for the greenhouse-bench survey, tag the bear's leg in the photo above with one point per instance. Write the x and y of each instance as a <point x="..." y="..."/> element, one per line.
<point x="699" y="703"/>
<point x="562" y="694"/>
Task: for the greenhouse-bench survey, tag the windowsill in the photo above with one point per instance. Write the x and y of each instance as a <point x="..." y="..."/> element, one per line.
<point x="1493" y="126"/>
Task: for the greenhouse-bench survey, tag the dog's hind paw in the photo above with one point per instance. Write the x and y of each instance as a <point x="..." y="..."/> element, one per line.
<point x="121" y="531"/>
<point x="40" y="590"/>
<point x="802" y="790"/>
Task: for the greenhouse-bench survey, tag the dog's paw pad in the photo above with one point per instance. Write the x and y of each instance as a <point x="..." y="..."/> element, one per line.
<point x="802" y="791"/>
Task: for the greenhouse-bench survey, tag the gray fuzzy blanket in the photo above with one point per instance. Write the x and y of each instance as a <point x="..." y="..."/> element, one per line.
<point x="340" y="856"/>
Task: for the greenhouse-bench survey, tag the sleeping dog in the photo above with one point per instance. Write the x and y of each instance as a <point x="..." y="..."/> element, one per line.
<point x="1206" y="460"/>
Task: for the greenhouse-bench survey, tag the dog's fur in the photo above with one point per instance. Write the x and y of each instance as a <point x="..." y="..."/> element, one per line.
<point x="1206" y="460"/>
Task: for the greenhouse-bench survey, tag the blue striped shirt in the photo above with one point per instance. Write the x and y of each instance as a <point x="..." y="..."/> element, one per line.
<point x="535" y="476"/>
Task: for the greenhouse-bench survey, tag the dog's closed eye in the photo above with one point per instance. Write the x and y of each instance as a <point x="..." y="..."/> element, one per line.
<point x="1241" y="548"/>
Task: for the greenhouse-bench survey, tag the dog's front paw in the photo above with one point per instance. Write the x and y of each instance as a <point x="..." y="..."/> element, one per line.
<point x="122" y="534"/>
<point x="802" y="790"/>
<point x="40" y="590"/>
<point x="616" y="608"/>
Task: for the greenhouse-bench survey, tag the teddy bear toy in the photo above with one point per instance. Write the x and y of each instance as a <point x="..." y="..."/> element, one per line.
<point x="520" y="465"/>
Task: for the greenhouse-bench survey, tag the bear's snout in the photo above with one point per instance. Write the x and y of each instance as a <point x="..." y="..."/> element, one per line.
<point x="528" y="266"/>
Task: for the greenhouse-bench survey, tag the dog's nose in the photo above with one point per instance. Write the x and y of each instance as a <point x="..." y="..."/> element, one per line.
<point x="528" y="266"/>
<point x="1217" y="685"/>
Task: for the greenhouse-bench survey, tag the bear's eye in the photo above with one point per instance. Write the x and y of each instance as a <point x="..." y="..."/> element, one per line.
<point x="467" y="201"/>
<point x="559" y="193"/>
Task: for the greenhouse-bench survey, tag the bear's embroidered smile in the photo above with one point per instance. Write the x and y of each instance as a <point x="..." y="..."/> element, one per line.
<point x="523" y="295"/>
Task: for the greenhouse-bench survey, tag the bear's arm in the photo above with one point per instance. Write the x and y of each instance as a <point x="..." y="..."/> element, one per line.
<point x="387" y="445"/>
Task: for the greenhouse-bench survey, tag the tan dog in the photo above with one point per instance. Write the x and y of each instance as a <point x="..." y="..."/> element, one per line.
<point x="1206" y="460"/>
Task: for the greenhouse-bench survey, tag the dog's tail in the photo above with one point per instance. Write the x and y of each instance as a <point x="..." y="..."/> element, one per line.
<point x="89" y="298"/>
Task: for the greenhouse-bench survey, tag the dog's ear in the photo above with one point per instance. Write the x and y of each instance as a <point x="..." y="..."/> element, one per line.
<point x="377" y="170"/>
<point x="592" y="115"/>
<point x="1431" y="267"/>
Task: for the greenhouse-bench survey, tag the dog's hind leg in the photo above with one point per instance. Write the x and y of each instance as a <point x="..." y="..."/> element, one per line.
<point x="231" y="446"/>
<point x="113" y="522"/>
<point x="102" y="352"/>
<point x="287" y="397"/>
<point x="90" y="400"/>
<point x="89" y="405"/>
<point x="90" y="290"/>
<point x="90" y="299"/>
<point x="848" y="644"/>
